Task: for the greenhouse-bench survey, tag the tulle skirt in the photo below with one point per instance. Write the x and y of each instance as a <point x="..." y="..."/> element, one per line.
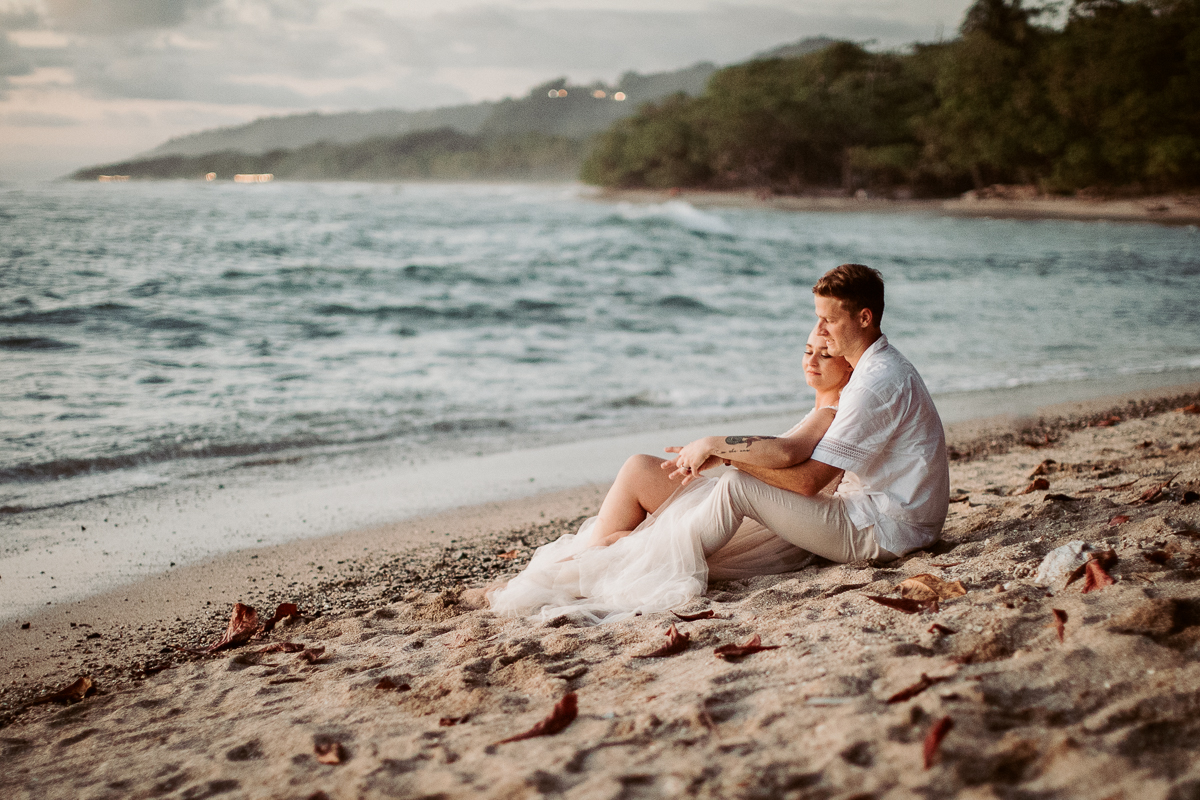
<point x="660" y="566"/>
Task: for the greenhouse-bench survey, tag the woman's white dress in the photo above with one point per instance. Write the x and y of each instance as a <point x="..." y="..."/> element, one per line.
<point x="660" y="566"/>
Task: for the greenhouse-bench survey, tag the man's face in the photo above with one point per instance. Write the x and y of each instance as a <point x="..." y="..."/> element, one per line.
<point x="841" y="330"/>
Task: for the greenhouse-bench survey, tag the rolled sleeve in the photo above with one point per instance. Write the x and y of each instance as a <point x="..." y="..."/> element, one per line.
<point x="859" y="432"/>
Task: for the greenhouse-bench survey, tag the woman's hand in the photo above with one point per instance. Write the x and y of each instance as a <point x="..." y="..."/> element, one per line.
<point x="687" y="473"/>
<point x="693" y="457"/>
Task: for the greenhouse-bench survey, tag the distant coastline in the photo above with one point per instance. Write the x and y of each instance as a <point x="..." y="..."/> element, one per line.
<point x="1175" y="209"/>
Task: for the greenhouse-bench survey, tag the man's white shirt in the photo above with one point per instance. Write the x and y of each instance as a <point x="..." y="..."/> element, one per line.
<point x="888" y="437"/>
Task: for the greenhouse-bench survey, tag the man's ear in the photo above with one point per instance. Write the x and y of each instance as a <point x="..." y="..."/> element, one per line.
<point x="865" y="318"/>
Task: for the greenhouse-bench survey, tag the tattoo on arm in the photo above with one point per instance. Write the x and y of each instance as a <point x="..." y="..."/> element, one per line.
<point x="746" y="441"/>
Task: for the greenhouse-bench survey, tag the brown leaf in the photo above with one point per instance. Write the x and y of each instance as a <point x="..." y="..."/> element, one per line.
<point x="330" y="753"/>
<point x="312" y="654"/>
<point x="509" y="555"/>
<point x="565" y="710"/>
<point x="1097" y="577"/>
<point x="1075" y="575"/>
<point x="1037" y="485"/>
<point x="934" y="739"/>
<point x="1065" y="498"/>
<point x="904" y="604"/>
<point x="1119" y="519"/>
<point x="914" y="690"/>
<point x="960" y="498"/>
<point x="243" y="623"/>
<point x="1155" y="492"/>
<point x="1192" y="408"/>
<point x="282" y="647"/>
<point x="446" y="722"/>
<point x="676" y="643"/>
<point x="1044" y="468"/>
<point x="81" y="688"/>
<point x="1107" y="422"/>
<point x="732" y="652"/>
<point x="938" y="627"/>
<point x="926" y="587"/>
<point x="706" y="614"/>
<point x="387" y="684"/>
<point x="282" y="612"/>
<point x="1060" y="622"/>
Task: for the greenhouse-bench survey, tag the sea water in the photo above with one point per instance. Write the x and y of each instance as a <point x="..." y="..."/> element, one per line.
<point x="148" y="328"/>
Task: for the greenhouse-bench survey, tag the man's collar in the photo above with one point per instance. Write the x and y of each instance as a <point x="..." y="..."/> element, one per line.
<point x="876" y="346"/>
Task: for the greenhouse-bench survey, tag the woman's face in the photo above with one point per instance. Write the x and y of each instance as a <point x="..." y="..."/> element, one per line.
<point x="822" y="371"/>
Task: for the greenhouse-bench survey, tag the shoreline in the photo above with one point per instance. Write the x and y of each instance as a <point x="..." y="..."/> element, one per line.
<point x="1158" y="209"/>
<point x="62" y="555"/>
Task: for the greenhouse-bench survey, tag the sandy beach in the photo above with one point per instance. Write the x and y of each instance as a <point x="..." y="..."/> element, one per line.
<point x="392" y="681"/>
<point x="996" y="202"/>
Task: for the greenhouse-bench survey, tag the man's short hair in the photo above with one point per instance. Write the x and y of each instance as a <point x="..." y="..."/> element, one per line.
<point x="856" y="285"/>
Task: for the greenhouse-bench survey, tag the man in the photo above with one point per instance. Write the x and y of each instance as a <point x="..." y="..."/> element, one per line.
<point x="887" y="436"/>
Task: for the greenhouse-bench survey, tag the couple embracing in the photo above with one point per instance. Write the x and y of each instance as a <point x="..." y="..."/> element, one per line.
<point x="863" y="476"/>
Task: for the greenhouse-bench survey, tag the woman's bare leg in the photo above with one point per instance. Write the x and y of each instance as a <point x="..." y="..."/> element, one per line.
<point x="641" y="487"/>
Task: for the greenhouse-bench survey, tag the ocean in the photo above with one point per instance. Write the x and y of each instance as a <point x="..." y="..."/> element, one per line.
<point x="153" y="330"/>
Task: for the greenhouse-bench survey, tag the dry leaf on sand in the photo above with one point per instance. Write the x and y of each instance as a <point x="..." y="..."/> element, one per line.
<point x="508" y="555"/>
<point x="706" y="614"/>
<point x="387" y="684"/>
<point x="312" y="654"/>
<point x="446" y="722"/>
<point x="934" y="739"/>
<point x="910" y="692"/>
<point x="81" y="688"/>
<point x="732" y="652"/>
<point x="676" y="643"/>
<point x="1119" y="519"/>
<point x="904" y="604"/>
<point x="1097" y="577"/>
<point x="330" y="753"/>
<point x="1155" y="492"/>
<point x="282" y="612"/>
<point x="1192" y="408"/>
<point x="938" y="627"/>
<point x="565" y="711"/>
<point x="243" y="623"/>
<point x="926" y="587"/>
<point x="1060" y="622"/>
<point x="1038" y="485"/>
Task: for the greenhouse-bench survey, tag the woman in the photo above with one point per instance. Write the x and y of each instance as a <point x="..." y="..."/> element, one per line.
<point x="654" y="544"/>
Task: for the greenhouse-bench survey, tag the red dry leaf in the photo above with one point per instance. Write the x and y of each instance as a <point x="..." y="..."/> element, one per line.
<point x="676" y="643"/>
<point x="1037" y="485"/>
<point x="330" y="753"/>
<point x="1192" y="408"/>
<point x="510" y="554"/>
<point x="918" y="687"/>
<point x="706" y="614"/>
<point x="565" y="710"/>
<point x="904" y="604"/>
<point x="1060" y="622"/>
<point x="1155" y="492"/>
<point x="1106" y="422"/>
<point x="942" y="629"/>
<point x="934" y="739"/>
<point x="81" y="688"/>
<point x="243" y="623"/>
<point x="732" y="652"/>
<point x="1075" y="575"/>
<point x="1097" y="577"/>
<point x="1119" y="519"/>
<point x="446" y="722"/>
<point x="387" y="684"/>
<point x="282" y="612"/>
<point x="312" y="654"/>
<point x="282" y="647"/>
<point x="925" y="588"/>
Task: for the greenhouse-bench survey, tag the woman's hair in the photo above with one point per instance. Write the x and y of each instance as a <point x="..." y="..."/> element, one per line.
<point x="857" y="286"/>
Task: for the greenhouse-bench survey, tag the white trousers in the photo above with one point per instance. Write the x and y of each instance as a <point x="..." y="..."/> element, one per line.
<point x="820" y="525"/>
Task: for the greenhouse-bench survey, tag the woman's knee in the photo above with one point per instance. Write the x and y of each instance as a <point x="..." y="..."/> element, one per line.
<point x="642" y="464"/>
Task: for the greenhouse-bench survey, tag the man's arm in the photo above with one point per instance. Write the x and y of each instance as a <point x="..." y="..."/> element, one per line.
<point x="808" y="478"/>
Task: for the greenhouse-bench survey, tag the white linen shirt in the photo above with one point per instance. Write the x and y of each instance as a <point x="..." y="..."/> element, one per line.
<point x="888" y="437"/>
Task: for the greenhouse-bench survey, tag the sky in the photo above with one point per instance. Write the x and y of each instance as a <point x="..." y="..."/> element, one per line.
<point x="84" y="82"/>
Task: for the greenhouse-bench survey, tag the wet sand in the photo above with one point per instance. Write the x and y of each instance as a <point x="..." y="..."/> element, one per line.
<point x="1108" y="710"/>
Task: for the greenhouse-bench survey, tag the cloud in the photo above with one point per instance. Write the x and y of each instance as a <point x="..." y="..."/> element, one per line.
<point x="115" y="16"/>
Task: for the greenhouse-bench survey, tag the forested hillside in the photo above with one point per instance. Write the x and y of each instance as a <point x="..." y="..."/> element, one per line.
<point x="1106" y="96"/>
